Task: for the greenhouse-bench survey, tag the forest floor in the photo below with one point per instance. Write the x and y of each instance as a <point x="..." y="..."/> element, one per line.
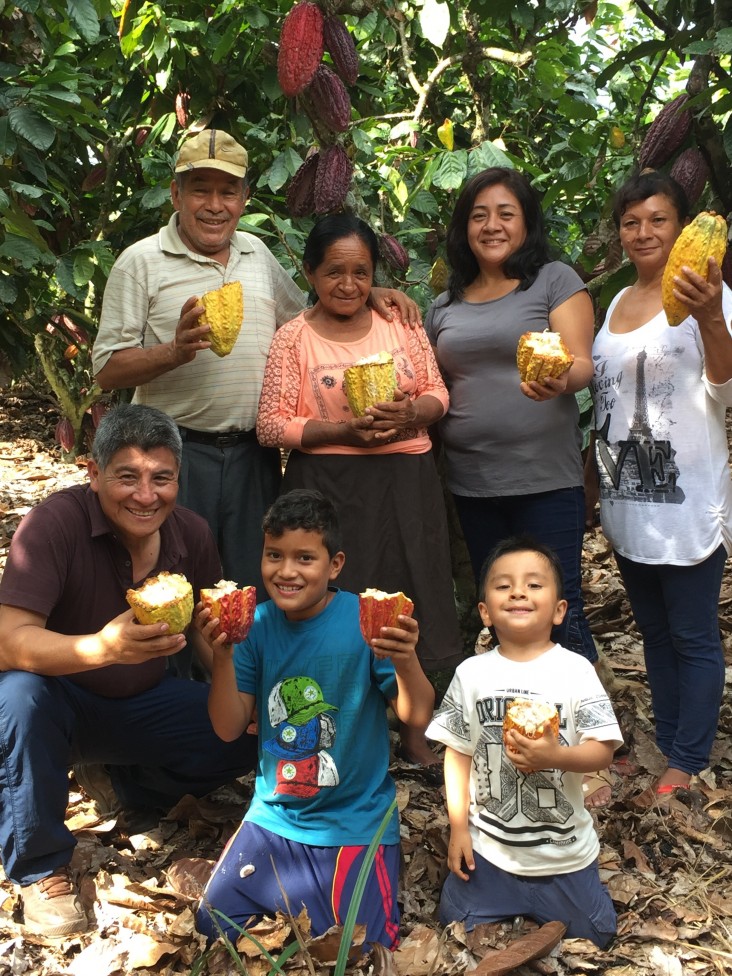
<point x="669" y="870"/>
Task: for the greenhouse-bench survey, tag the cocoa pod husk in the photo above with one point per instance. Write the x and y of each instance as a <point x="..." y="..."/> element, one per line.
<point x="339" y="44"/>
<point x="301" y="47"/>
<point x="332" y="179"/>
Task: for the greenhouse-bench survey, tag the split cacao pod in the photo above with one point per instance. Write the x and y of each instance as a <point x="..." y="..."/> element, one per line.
<point x="377" y="609"/>
<point x="370" y="380"/>
<point x="691" y="171"/>
<point x="667" y="132"/>
<point x="542" y="354"/>
<point x="530" y="718"/>
<point x="705" y="237"/>
<point x="233" y="606"/>
<point x="329" y="99"/>
<point x="224" y="314"/>
<point x="300" y="196"/>
<point x="339" y="44"/>
<point x="332" y="179"/>
<point x="165" y="598"/>
<point x="301" y="47"/>
<point x="394" y="253"/>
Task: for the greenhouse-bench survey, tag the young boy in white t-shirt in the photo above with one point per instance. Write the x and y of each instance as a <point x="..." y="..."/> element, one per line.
<point x="521" y="840"/>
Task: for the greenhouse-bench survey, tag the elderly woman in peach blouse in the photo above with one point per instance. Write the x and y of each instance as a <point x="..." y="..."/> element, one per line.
<point x="378" y="469"/>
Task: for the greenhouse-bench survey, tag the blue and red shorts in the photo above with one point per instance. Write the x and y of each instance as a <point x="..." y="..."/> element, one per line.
<point x="260" y="873"/>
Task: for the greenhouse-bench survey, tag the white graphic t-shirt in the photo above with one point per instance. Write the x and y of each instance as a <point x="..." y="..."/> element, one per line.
<point x="536" y="823"/>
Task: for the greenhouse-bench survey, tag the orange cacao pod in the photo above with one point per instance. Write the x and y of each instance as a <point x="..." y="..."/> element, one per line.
<point x="377" y="609"/>
<point x="71" y="351"/>
<point x="667" y="132"/>
<point x="691" y="171"/>
<point x="301" y="47"/>
<point x="332" y="179"/>
<point x="233" y="606"/>
<point x="330" y="99"/>
<point x="705" y="237"/>
<point x="339" y="44"/>
<point x="393" y="252"/>
<point x="300" y="196"/>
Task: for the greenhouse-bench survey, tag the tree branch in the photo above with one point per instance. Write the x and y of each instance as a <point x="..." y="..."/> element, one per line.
<point x="655" y="19"/>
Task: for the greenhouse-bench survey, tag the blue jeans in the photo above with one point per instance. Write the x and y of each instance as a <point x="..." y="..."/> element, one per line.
<point x="577" y="898"/>
<point x="159" y="745"/>
<point x="282" y="872"/>
<point x="555" y="518"/>
<point x="676" y="610"/>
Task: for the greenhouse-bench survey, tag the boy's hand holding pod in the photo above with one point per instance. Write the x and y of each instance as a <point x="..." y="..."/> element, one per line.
<point x="377" y="610"/>
<point x="535" y="721"/>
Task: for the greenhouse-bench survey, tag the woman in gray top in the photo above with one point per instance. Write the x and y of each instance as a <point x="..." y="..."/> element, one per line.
<point x="513" y="448"/>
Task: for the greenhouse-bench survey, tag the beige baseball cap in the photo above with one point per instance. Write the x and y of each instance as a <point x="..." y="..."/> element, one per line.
<point x="213" y="149"/>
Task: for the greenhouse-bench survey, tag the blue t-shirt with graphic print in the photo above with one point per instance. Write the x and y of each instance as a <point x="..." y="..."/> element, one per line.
<point x="321" y="694"/>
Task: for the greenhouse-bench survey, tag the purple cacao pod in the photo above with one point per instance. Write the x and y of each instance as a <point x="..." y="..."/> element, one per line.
<point x="332" y="180"/>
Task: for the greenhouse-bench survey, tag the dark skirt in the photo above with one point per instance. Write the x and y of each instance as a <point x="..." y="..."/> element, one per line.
<point x="395" y="537"/>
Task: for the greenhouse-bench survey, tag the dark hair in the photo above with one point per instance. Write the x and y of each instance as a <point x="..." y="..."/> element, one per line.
<point x="522" y="543"/>
<point x="135" y="425"/>
<point x="530" y="257"/>
<point x="333" y="228"/>
<point x="651" y="184"/>
<point x="304" y="508"/>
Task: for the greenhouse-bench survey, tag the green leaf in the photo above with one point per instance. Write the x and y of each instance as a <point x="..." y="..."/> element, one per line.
<point x="4" y="201"/>
<point x="452" y="170"/>
<point x="66" y="279"/>
<point x="156" y="197"/>
<point x="8" y="142"/>
<point x="16" y="221"/>
<point x="21" y="250"/>
<point x="26" y="190"/>
<point x="84" y="16"/>
<point x="424" y="202"/>
<point x="8" y="290"/>
<point x="31" y="126"/>
<point x="278" y="173"/>
<point x="486" y="155"/>
<point x="83" y="268"/>
<point x="434" y="19"/>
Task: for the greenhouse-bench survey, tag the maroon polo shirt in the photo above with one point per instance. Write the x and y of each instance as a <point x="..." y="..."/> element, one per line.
<point x="66" y="562"/>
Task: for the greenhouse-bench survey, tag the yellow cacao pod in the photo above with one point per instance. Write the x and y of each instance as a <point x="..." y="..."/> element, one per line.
<point x="530" y="718"/>
<point x="370" y="380"/>
<point x="165" y="598"/>
<point x="542" y="354"/>
<point x="224" y="313"/>
<point x="705" y="237"/>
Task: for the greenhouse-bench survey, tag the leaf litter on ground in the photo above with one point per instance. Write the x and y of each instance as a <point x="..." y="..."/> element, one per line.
<point x="668" y="867"/>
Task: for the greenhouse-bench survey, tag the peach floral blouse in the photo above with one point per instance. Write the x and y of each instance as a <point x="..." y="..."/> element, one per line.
<point x="303" y="380"/>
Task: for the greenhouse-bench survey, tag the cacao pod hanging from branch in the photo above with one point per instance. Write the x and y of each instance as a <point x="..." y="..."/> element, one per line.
<point x="300" y="196"/>
<point x="339" y="44"/>
<point x="332" y="179"/>
<point x="329" y="99"/>
<point x="691" y="171"/>
<point x="301" y="47"/>
<point x="667" y="133"/>
<point x="394" y="253"/>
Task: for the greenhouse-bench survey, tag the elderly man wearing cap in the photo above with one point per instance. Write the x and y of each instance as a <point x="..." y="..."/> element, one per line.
<point x="150" y="338"/>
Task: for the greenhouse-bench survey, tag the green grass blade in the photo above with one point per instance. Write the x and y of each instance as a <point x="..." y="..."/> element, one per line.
<point x="355" y="904"/>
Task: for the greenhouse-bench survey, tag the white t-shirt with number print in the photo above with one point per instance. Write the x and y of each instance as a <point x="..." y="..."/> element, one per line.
<point x="535" y="823"/>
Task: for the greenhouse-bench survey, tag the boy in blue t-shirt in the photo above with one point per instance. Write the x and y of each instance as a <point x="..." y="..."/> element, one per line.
<point x="322" y="787"/>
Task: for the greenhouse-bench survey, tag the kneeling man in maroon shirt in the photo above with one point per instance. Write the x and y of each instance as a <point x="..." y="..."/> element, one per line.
<point x="83" y="684"/>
